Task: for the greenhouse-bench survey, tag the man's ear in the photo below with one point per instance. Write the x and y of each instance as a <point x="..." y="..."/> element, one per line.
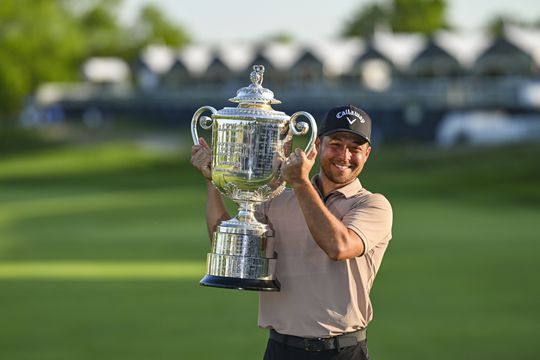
<point x="317" y="143"/>
<point x="368" y="151"/>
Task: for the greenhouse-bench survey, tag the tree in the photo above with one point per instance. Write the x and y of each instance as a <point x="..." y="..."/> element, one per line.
<point x="47" y="40"/>
<point x="495" y="26"/>
<point x="40" y="41"/>
<point x="103" y="34"/>
<point x="154" y="27"/>
<point x="367" y="20"/>
<point x="419" y="16"/>
<point x="281" y="37"/>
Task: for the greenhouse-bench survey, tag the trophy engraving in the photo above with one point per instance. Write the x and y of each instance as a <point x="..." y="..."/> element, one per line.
<point x="248" y="144"/>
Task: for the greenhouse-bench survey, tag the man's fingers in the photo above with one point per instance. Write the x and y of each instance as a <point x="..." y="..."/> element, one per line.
<point x="201" y="149"/>
<point x="312" y="153"/>
<point x="196" y="148"/>
<point x="196" y="159"/>
<point x="203" y="143"/>
<point x="201" y="157"/>
<point x="300" y="154"/>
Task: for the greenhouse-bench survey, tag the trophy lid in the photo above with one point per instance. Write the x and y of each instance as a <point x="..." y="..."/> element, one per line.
<point x="255" y="93"/>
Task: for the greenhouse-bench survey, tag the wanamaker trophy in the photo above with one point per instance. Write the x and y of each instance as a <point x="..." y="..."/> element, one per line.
<point x="248" y="144"/>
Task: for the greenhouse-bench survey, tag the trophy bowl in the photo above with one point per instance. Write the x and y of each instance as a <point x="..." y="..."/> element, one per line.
<point x="249" y="142"/>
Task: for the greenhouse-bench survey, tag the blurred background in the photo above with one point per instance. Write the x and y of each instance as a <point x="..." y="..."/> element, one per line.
<point x="102" y="233"/>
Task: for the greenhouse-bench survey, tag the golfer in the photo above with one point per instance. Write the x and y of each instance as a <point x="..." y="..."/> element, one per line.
<point x="330" y="234"/>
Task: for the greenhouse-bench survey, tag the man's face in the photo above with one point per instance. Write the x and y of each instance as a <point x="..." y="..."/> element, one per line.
<point x="342" y="156"/>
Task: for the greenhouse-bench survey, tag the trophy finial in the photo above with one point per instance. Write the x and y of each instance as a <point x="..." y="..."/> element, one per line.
<point x="256" y="75"/>
<point x="255" y="93"/>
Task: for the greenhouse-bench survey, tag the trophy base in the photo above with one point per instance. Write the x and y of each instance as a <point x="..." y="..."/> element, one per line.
<point x="240" y="284"/>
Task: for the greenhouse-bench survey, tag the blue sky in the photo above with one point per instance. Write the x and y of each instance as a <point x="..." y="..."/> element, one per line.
<point x="214" y="21"/>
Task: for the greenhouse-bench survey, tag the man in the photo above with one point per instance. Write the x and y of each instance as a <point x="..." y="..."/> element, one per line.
<point x="330" y="235"/>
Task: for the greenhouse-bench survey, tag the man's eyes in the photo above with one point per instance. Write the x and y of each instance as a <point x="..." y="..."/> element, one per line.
<point x="351" y="149"/>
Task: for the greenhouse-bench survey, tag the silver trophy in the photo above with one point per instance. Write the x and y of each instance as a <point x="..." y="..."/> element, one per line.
<point x="248" y="144"/>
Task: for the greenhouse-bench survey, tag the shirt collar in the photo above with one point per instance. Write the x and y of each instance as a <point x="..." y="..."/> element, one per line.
<point x="348" y="190"/>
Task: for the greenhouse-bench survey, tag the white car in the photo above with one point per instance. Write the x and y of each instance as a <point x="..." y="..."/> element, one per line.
<point x="487" y="128"/>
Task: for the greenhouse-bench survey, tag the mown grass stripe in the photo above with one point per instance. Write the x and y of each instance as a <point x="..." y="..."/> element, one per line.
<point x="101" y="270"/>
<point x="118" y="200"/>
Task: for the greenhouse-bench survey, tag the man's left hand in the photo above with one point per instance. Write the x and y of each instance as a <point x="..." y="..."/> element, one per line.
<point x="295" y="169"/>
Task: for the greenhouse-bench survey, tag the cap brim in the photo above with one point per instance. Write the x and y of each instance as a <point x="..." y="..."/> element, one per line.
<point x="345" y="130"/>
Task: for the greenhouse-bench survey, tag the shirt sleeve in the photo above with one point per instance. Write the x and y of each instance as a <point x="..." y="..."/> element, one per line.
<point x="371" y="220"/>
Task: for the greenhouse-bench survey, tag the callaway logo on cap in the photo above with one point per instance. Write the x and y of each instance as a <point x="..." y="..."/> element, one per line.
<point x="347" y="118"/>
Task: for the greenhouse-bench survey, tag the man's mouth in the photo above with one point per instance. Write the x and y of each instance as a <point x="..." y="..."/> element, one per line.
<point x="341" y="167"/>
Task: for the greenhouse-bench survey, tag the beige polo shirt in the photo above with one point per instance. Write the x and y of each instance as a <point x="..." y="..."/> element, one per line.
<point x="319" y="296"/>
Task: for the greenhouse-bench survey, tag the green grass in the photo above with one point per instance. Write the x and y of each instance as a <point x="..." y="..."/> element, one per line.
<point x="102" y="247"/>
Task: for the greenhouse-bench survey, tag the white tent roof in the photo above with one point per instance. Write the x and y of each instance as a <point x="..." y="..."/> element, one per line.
<point x="526" y="39"/>
<point x="236" y="55"/>
<point x="106" y="69"/>
<point x="158" y="58"/>
<point x="465" y="47"/>
<point x="196" y="57"/>
<point x="282" y="55"/>
<point x="401" y="49"/>
<point x="338" y="55"/>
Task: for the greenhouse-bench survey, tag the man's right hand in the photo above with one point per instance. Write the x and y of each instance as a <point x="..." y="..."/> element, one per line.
<point x="201" y="158"/>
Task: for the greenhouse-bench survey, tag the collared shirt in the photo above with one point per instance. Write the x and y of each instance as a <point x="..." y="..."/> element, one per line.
<point x="319" y="296"/>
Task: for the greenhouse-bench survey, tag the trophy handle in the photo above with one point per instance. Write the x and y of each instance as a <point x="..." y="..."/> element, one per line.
<point x="206" y="122"/>
<point x="301" y="128"/>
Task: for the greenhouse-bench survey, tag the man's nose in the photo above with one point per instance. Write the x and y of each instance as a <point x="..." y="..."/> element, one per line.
<point x="344" y="153"/>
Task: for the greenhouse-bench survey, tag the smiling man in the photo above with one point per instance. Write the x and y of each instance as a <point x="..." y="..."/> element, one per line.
<point x="330" y="234"/>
